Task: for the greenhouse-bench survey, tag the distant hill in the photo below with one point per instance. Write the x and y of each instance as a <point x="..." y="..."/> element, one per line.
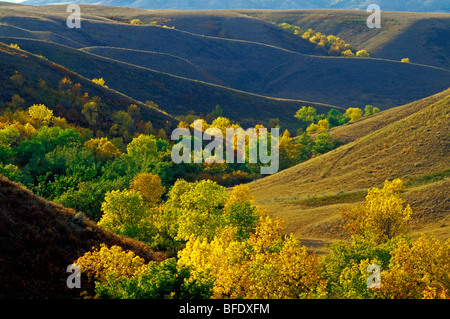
<point x="39" y="239"/>
<point x="253" y="80"/>
<point x="411" y="142"/>
<point x="174" y="94"/>
<point x="389" y="5"/>
<point x="423" y="37"/>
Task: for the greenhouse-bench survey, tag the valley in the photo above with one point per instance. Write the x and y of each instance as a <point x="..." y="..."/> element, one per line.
<point x="88" y="175"/>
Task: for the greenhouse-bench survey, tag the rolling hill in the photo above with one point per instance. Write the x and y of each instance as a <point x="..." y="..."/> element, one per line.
<point x="423" y="37"/>
<point x="182" y="70"/>
<point x="174" y="94"/>
<point x="36" y="68"/>
<point x="409" y="142"/>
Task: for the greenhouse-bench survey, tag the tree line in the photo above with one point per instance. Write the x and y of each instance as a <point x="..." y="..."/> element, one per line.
<point x="332" y="45"/>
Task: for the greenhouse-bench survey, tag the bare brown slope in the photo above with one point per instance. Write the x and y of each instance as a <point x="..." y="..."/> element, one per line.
<point x="414" y="146"/>
<point x="39" y="239"/>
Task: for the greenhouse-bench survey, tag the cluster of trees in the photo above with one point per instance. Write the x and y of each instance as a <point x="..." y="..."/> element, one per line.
<point x="70" y="101"/>
<point x="156" y="23"/>
<point x="331" y="44"/>
<point x="227" y="247"/>
<point x="66" y="164"/>
<point x="77" y="166"/>
<point x="291" y="151"/>
<point x="314" y="122"/>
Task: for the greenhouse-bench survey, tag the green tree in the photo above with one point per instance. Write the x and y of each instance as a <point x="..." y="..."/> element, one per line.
<point x="50" y="137"/>
<point x="274" y="123"/>
<point x="345" y="267"/>
<point x="370" y="110"/>
<point x="17" y="78"/>
<point x="28" y="150"/>
<point x="306" y="146"/>
<point x="9" y="135"/>
<point x="335" y="118"/>
<point x="323" y="144"/>
<point x="88" y="196"/>
<point x="217" y="112"/>
<point x="125" y="214"/>
<point x="194" y="209"/>
<point x="123" y="118"/>
<point x="135" y="112"/>
<point x="307" y="115"/>
<point x="201" y="210"/>
<point x="90" y="111"/>
<point x="158" y="280"/>
<point x="143" y="150"/>
<point x="244" y="217"/>
<point x="64" y="168"/>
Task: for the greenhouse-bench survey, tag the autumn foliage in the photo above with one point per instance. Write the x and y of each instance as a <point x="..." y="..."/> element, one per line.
<point x="251" y="256"/>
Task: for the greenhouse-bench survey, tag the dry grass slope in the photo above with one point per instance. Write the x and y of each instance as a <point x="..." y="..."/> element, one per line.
<point x="413" y="147"/>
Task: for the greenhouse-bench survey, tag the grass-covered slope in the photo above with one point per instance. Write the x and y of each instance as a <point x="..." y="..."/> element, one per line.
<point x="414" y="148"/>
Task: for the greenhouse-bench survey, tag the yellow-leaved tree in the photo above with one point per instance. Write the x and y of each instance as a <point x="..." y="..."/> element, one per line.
<point x="354" y="113"/>
<point x="40" y="113"/>
<point x="266" y="265"/>
<point x="97" y="264"/>
<point x="289" y="152"/>
<point x="100" y="81"/>
<point x="362" y="54"/>
<point x="382" y="216"/>
<point x="418" y="270"/>
<point x="102" y="148"/>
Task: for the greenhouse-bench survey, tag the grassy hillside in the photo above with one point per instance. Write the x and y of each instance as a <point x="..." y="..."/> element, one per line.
<point x="414" y="147"/>
<point x="260" y="65"/>
<point x="357" y="129"/>
<point x="39" y="239"/>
